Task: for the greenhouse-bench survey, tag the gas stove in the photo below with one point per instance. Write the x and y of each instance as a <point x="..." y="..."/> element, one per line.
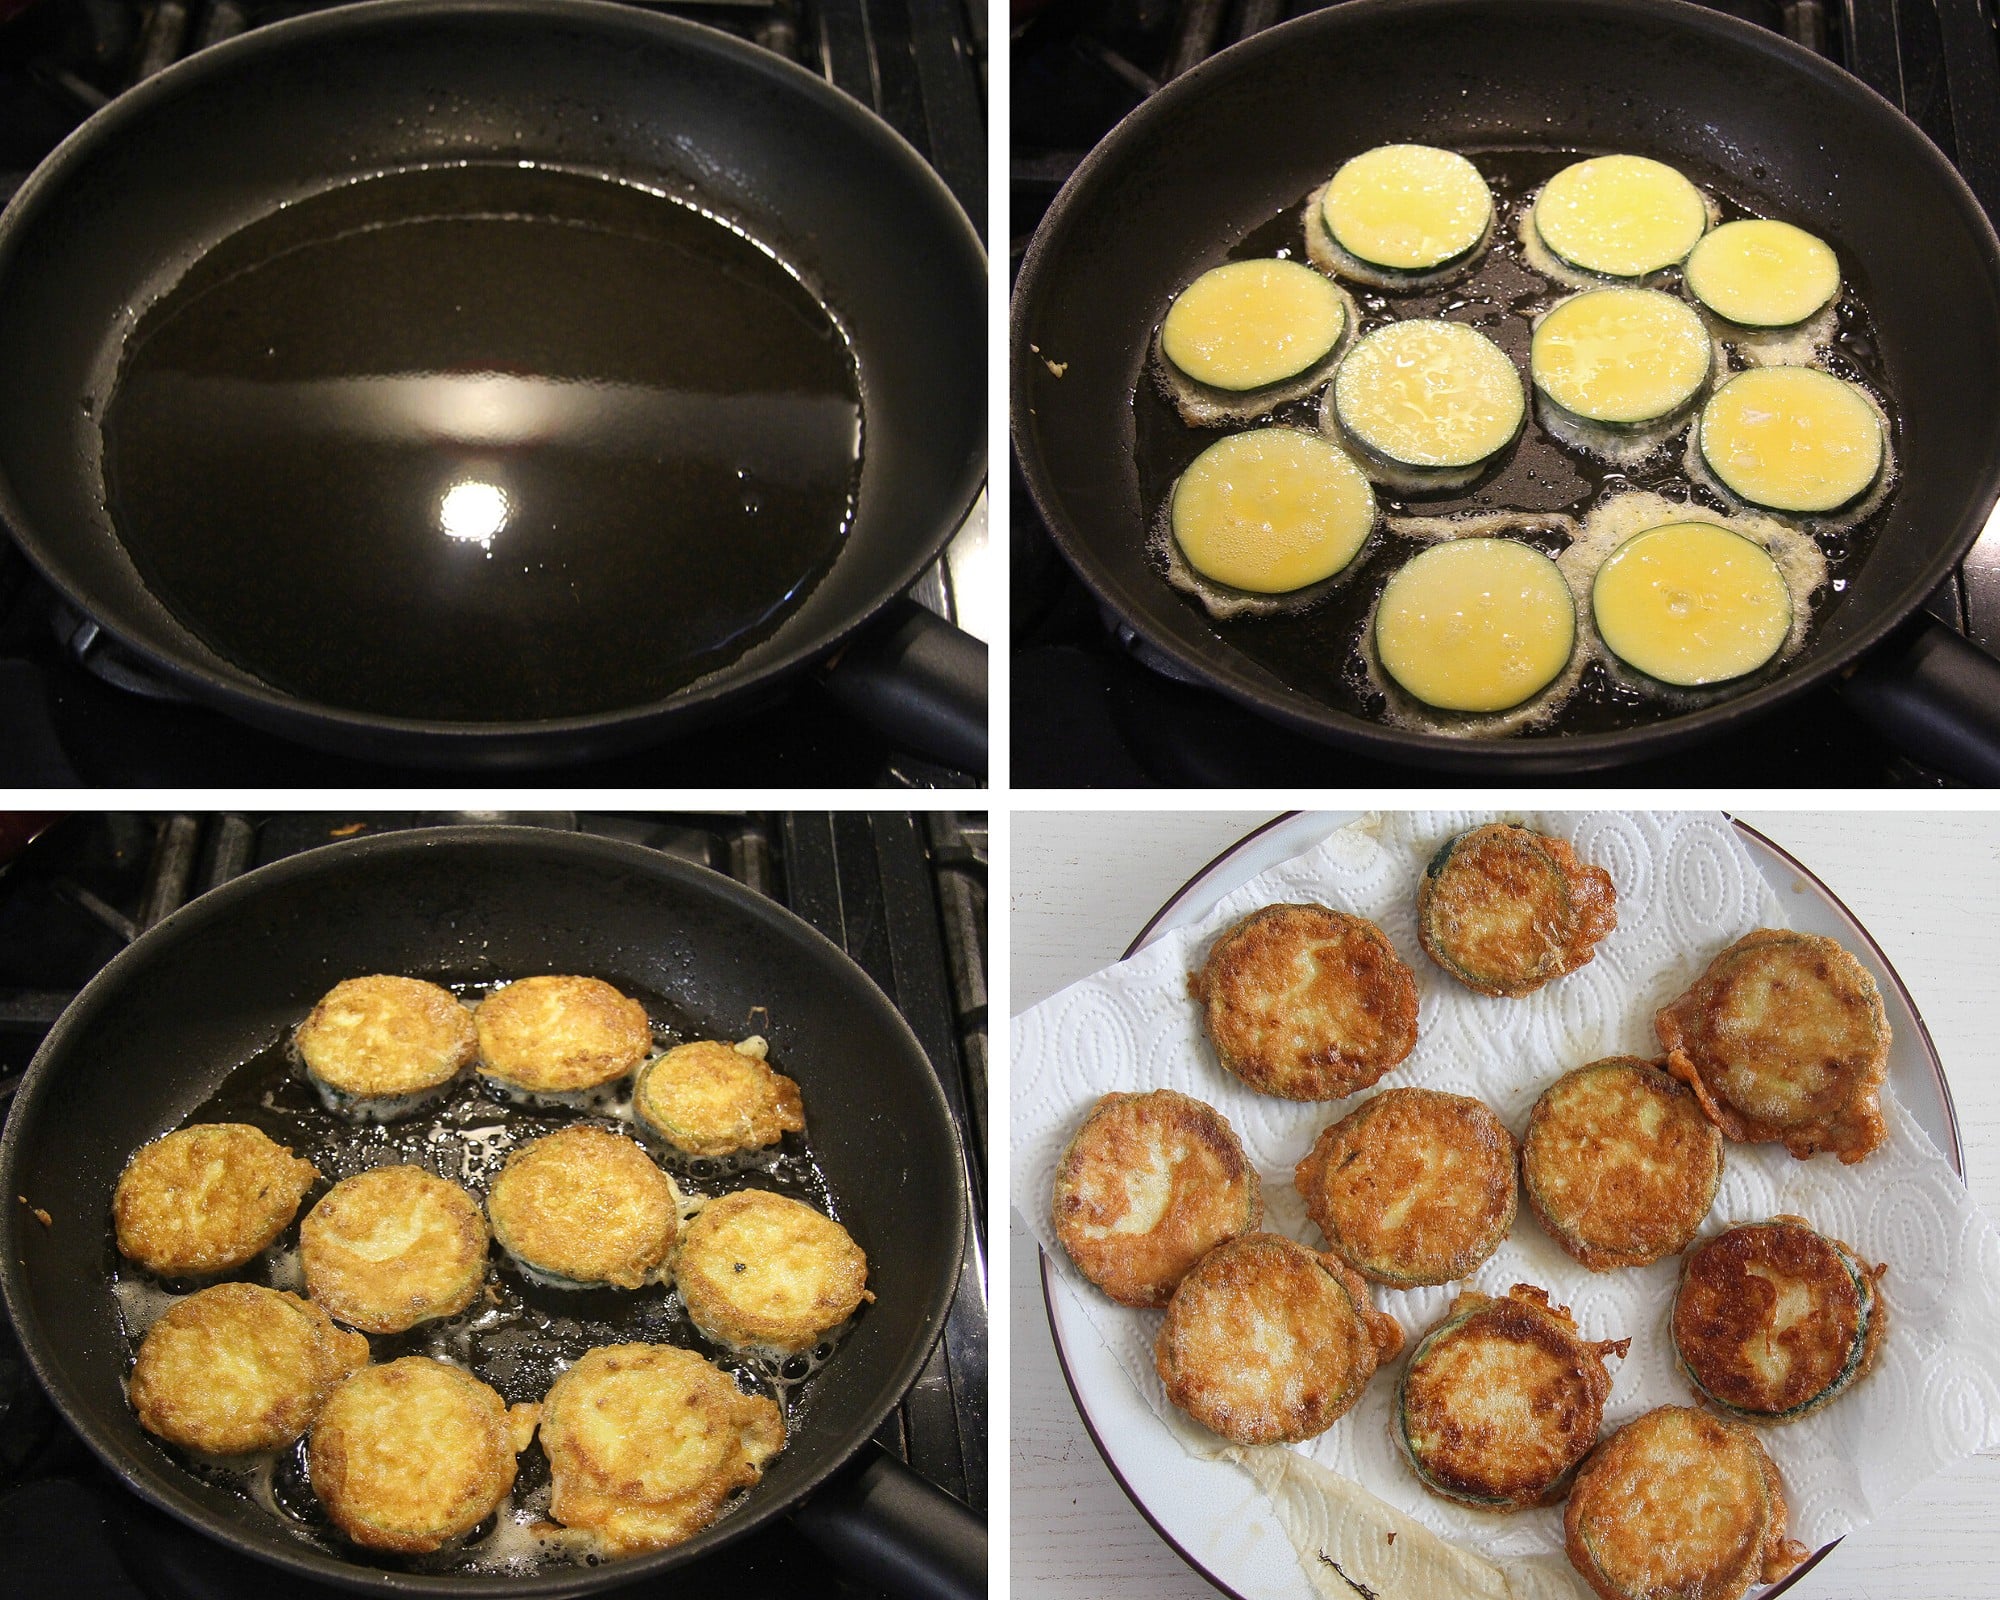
<point x="904" y="896"/>
<point x="1094" y="705"/>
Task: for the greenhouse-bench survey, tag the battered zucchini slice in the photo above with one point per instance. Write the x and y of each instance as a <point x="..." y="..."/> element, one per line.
<point x="1621" y="357"/>
<point x="1411" y="212"/>
<point x="1620" y="216"/>
<point x="1679" y="1505"/>
<point x="1784" y="1039"/>
<point x="205" y="1199"/>
<point x="1414" y="1187"/>
<point x="1475" y="625"/>
<point x="1763" y="274"/>
<point x="1247" y="336"/>
<point x="378" y="1047"/>
<point x="1429" y="403"/>
<point x="1692" y="603"/>
<point x="1271" y="511"/>
<point x="1792" y="439"/>
<point x="1505" y="910"/>
<point x="1502" y="1399"/>
<point x="1772" y="1320"/>
<point x="1265" y="1342"/>
<point x="1618" y="1163"/>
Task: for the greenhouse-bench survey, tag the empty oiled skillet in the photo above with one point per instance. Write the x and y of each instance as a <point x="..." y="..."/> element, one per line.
<point x="160" y="1028"/>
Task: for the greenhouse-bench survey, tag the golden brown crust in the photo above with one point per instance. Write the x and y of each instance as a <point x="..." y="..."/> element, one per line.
<point x="557" y="1035"/>
<point x="1770" y="1322"/>
<point x="381" y="1037"/>
<point x="392" y="1247"/>
<point x="587" y="1206"/>
<point x="1148" y="1186"/>
<point x="646" y="1443"/>
<point x="758" y="1269"/>
<point x="1619" y="1164"/>
<point x="207" y="1198"/>
<point x="1784" y="1039"/>
<point x="238" y="1368"/>
<point x="1679" y="1505"/>
<point x="1413" y="1187"/>
<point x="1265" y="1342"/>
<point x="1307" y="1003"/>
<point x="711" y="1099"/>
<point x="1502" y="1399"/>
<point x="411" y="1454"/>
<point x="1505" y="910"/>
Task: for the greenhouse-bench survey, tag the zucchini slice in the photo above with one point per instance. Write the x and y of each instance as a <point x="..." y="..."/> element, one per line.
<point x="1506" y="910"/>
<point x="1271" y="511"/>
<point x="1620" y="216"/>
<point x="1249" y="324"/>
<point x="1691" y="604"/>
<point x="1407" y="208"/>
<point x="1763" y="274"/>
<point x="1475" y="625"/>
<point x="1791" y="439"/>
<point x="1621" y="356"/>
<point x="1429" y="395"/>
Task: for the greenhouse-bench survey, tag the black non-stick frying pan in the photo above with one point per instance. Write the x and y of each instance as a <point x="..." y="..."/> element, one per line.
<point x="155" y="1033"/>
<point x="175" y="165"/>
<point x="1229" y="145"/>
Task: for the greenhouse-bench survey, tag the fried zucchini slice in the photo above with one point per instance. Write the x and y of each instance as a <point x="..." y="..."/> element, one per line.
<point x="392" y="1247"/>
<point x="1435" y="401"/>
<point x="708" y="1098"/>
<point x="1265" y="1342"/>
<point x="553" y="1038"/>
<point x="1307" y="1003"/>
<point x="1784" y="1039"/>
<point x="1620" y="216"/>
<point x="1791" y="439"/>
<point x="380" y="1046"/>
<point x="1247" y="336"/>
<point x="1409" y="210"/>
<point x="1763" y="274"/>
<point x="1621" y="357"/>
<point x="1772" y="1320"/>
<point x="584" y="1208"/>
<point x="1502" y="1399"/>
<point x="1691" y="603"/>
<point x="1679" y="1505"/>
<point x="1505" y="910"/>
<point x="207" y="1198"/>
<point x="1148" y="1186"/>
<point x="1271" y="511"/>
<point x="1618" y="1163"/>
<point x="759" y="1271"/>
<point x="1475" y="624"/>
<point x="1414" y="1187"/>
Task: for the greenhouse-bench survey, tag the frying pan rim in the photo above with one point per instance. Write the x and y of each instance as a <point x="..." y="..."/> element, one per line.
<point x="1292" y="707"/>
<point x="309" y="1559"/>
<point x="714" y="691"/>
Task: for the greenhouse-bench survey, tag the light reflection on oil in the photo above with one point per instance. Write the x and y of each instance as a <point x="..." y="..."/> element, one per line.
<point x="474" y="511"/>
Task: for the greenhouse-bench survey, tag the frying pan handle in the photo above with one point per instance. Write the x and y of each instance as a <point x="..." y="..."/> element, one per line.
<point x="890" y="1528"/>
<point x="914" y="677"/>
<point x="1936" y="697"/>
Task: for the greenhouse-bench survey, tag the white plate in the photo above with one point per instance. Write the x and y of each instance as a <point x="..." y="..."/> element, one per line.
<point x="1211" y="1512"/>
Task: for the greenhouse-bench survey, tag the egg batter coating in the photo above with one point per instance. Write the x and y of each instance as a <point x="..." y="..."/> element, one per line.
<point x="1505" y="910"/>
<point x="1148" y="1186"/>
<point x="755" y="1268"/>
<point x="1784" y="1038"/>
<point x="238" y="1368"/>
<point x="647" y="1442"/>
<point x="1307" y="1003"/>
<point x="206" y="1199"/>
<point x="1618" y="1164"/>
<point x="415" y="1453"/>
<point x="1414" y="1187"/>
<point x="560" y="1035"/>
<point x="385" y="1039"/>
<point x="1267" y="1343"/>
<point x="1772" y="1321"/>
<point x="713" y="1099"/>
<point x="1679" y="1505"/>
<point x="392" y="1247"/>
<point x="584" y="1208"/>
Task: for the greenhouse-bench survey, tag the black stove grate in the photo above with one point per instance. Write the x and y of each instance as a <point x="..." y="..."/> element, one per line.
<point x="904" y="896"/>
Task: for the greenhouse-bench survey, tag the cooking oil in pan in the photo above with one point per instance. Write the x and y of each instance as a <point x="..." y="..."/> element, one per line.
<point x="484" y="443"/>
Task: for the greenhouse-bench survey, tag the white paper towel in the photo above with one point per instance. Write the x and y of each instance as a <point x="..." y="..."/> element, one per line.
<point x="1686" y="889"/>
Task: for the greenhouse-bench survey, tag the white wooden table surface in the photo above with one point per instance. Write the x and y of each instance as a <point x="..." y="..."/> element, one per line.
<point x="1925" y="884"/>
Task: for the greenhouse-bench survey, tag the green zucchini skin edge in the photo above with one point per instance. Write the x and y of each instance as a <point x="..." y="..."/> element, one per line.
<point x="1410" y="275"/>
<point x="1484" y="1502"/>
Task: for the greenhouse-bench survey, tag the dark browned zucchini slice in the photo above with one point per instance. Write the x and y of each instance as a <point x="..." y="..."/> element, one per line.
<point x="1504" y="910"/>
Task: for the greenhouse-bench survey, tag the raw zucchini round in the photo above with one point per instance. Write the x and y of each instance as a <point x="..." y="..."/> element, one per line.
<point x="1792" y="439"/>
<point x="1621" y="216"/>
<point x="1475" y="625"/>
<point x="1691" y="603"/>
<point x="1271" y="510"/>
<point x="1249" y="324"/>
<point x="1407" y="207"/>
<point x="1763" y="274"/>
<point x="1429" y="394"/>
<point x="1621" y="356"/>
